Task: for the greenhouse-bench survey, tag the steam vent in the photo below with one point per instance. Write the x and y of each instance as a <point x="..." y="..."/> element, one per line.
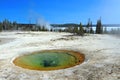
<point x="49" y="60"/>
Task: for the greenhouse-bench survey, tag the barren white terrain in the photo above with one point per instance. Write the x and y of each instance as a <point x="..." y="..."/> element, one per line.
<point x="102" y="55"/>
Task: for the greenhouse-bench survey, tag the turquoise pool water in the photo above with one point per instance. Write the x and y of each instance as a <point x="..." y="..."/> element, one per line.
<point x="47" y="60"/>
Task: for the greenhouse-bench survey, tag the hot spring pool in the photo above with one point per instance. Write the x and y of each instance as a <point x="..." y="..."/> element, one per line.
<point x="49" y="60"/>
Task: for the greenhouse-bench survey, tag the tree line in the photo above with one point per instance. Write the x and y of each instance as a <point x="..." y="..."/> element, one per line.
<point x="81" y="30"/>
<point x="8" y="25"/>
<point x="72" y="28"/>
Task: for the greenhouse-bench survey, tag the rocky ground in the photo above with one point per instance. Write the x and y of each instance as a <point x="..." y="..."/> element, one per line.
<point x="102" y="56"/>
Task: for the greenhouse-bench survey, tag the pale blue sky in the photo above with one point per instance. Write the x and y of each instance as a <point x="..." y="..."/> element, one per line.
<point x="60" y="11"/>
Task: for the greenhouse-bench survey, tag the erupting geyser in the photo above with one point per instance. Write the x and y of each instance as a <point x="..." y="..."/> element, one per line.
<point x="49" y="60"/>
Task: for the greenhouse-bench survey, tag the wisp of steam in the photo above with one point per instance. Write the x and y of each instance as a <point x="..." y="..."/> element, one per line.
<point x="38" y="19"/>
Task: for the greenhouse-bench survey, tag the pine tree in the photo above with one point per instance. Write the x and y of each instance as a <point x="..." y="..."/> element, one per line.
<point x="0" y="26"/>
<point x="99" y="29"/>
<point x="88" y="26"/>
<point x="105" y="30"/>
<point x="51" y="30"/>
<point x="81" y="30"/>
<point x="15" y="25"/>
<point x="75" y="30"/>
<point x="91" y="31"/>
<point x="6" y="24"/>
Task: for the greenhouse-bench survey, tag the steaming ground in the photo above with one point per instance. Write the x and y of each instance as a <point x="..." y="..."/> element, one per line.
<point x="102" y="55"/>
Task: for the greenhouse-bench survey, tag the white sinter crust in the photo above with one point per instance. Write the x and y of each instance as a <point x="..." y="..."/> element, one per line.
<point x="102" y="54"/>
